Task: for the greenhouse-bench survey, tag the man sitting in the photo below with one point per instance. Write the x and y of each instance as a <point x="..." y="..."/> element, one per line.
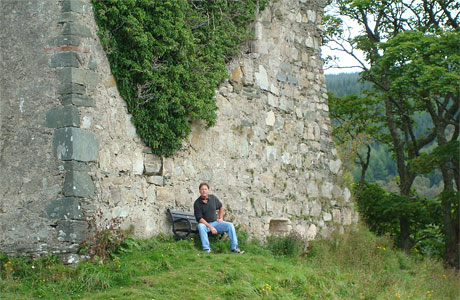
<point x="205" y="213"/>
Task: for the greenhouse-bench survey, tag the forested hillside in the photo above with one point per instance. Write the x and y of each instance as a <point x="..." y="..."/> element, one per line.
<point x="344" y="84"/>
<point x="382" y="166"/>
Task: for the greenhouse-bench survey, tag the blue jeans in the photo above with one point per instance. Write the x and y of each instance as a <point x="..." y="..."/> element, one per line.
<point x="221" y="227"/>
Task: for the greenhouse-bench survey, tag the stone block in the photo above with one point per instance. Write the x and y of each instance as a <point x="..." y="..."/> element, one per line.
<point x="78" y="184"/>
<point x="274" y="90"/>
<point x="336" y="216"/>
<point x="346" y="194"/>
<point x="244" y="148"/>
<point x="315" y="209"/>
<point x="152" y="164"/>
<point x="262" y="78"/>
<point x="77" y="6"/>
<point x="138" y="162"/>
<point x="286" y="67"/>
<point x="272" y="100"/>
<point x="237" y="74"/>
<point x="311" y="232"/>
<point x="270" y="152"/>
<point x="129" y="126"/>
<point x="64" y="116"/>
<point x="292" y="79"/>
<point x="77" y="100"/>
<point x="327" y="217"/>
<point x="156" y="180"/>
<point x="77" y="30"/>
<point x="92" y="64"/>
<point x="280" y="76"/>
<point x="346" y="216"/>
<point x="65" y="59"/>
<point x="75" y="144"/>
<point x="326" y="190"/>
<point x="71" y="230"/>
<point x="270" y="118"/>
<point x="65" y="208"/>
<point x="68" y="75"/>
<point x="71" y="88"/>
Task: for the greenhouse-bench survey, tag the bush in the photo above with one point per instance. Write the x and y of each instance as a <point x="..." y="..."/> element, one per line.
<point x="105" y="239"/>
<point x="291" y="245"/>
<point x="168" y="57"/>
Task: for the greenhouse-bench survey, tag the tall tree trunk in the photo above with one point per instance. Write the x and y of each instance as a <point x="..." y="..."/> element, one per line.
<point x="406" y="178"/>
<point x="449" y="170"/>
<point x="451" y="225"/>
<point x="364" y="166"/>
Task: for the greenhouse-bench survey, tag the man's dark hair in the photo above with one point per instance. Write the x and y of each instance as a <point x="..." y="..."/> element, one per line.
<point x="204" y="183"/>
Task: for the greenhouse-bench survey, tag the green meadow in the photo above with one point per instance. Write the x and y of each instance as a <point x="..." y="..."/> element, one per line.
<point x="355" y="265"/>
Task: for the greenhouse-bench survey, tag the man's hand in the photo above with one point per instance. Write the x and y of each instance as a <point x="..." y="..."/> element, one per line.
<point x="213" y="230"/>
<point x="220" y="220"/>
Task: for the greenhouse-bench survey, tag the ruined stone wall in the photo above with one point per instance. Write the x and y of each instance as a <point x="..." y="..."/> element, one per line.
<point x="270" y="158"/>
<point x="30" y="176"/>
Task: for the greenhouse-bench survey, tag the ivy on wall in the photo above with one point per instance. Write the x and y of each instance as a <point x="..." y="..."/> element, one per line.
<point x="168" y="57"/>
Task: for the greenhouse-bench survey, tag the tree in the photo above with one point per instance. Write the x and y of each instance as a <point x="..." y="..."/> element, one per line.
<point x="425" y="69"/>
<point x="356" y="127"/>
<point x="381" y="22"/>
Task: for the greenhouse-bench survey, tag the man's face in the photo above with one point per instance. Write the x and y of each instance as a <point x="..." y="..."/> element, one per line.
<point x="204" y="191"/>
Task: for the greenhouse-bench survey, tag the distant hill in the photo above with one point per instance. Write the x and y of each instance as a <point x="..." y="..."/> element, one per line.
<point x="345" y="84"/>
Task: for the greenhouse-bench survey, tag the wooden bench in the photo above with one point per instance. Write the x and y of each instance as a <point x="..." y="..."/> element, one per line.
<point x="183" y="223"/>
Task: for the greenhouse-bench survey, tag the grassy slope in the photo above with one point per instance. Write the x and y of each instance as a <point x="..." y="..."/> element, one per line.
<point x="355" y="266"/>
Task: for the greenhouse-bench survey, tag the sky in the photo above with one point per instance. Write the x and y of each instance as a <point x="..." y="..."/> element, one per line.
<point x="344" y="60"/>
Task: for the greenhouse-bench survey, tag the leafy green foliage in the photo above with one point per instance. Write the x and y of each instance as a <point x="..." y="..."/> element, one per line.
<point x="168" y="57"/>
<point x="411" y="57"/>
<point x="382" y="212"/>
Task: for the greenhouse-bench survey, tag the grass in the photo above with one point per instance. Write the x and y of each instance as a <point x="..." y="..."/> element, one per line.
<point x="356" y="265"/>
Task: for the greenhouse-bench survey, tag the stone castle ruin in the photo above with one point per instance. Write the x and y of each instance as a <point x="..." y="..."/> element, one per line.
<point x="69" y="149"/>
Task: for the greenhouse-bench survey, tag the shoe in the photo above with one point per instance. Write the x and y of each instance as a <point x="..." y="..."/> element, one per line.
<point x="207" y="250"/>
<point x="237" y="251"/>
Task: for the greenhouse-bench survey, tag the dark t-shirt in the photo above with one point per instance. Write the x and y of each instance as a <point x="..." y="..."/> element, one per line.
<point x="206" y="211"/>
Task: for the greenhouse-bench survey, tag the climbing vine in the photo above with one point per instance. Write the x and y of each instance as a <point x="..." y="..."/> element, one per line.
<point x="168" y="57"/>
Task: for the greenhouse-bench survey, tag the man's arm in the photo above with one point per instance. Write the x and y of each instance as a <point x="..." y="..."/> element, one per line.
<point x="213" y="230"/>
<point x="220" y="215"/>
